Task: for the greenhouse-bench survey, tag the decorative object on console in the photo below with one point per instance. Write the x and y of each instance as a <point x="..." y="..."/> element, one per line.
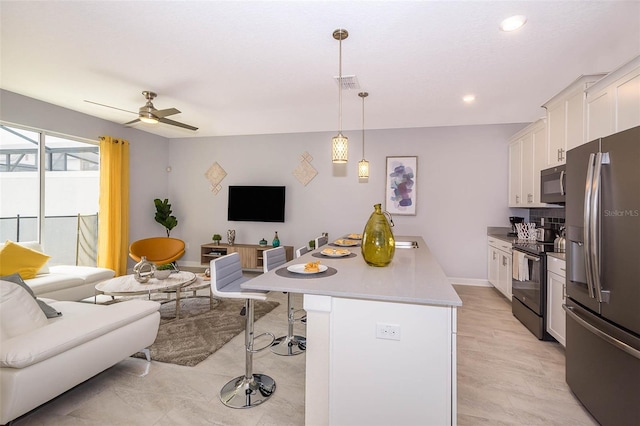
<point x="143" y="270"/>
<point x="378" y="243"/>
<point x="163" y="271"/>
<point x="305" y="172"/>
<point x="263" y="242"/>
<point x="340" y="143"/>
<point x="231" y="236"/>
<point x="363" y="165"/>
<point x="216" y="238"/>
<point x="163" y="215"/>
<point x="214" y="175"/>
<point x="276" y="241"/>
<point x="401" y="190"/>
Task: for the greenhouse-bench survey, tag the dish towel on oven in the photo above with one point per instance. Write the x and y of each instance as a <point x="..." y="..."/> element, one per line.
<point x="520" y="266"/>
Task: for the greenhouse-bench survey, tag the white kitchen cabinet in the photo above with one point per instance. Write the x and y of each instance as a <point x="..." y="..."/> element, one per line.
<point x="499" y="264"/>
<point x="565" y="120"/>
<point x="556" y="295"/>
<point x="526" y="158"/>
<point x="613" y="103"/>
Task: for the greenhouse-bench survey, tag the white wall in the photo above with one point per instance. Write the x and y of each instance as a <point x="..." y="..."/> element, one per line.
<point x="462" y="188"/>
<point x="462" y="182"/>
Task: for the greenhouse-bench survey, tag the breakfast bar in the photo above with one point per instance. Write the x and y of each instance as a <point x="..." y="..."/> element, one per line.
<point x="381" y="342"/>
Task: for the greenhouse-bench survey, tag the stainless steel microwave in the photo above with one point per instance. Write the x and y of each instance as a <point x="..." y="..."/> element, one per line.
<point x="552" y="185"/>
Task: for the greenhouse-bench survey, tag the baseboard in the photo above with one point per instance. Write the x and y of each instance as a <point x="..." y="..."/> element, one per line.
<point x="469" y="281"/>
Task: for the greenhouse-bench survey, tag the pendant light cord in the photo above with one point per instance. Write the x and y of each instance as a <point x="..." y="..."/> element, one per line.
<point x="340" y="89"/>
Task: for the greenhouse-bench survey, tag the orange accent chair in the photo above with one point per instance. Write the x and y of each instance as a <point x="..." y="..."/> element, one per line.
<point x="159" y="250"/>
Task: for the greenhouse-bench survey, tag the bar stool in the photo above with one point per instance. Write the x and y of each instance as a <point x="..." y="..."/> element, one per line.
<point x="320" y="241"/>
<point x="251" y="389"/>
<point x="290" y="344"/>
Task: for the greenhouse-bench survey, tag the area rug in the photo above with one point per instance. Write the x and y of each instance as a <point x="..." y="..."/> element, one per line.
<point x="200" y="331"/>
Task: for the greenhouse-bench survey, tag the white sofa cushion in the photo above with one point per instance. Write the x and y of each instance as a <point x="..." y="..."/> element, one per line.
<point x="19" y="312"/>
<point x="62" y="334"/>
<point x="87" y="273"/>
<point x="51" y="282"/>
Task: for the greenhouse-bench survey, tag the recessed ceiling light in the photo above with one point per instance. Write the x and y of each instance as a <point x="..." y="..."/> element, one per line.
<point x="513" y="23"/>
<point x="469" y="98"/>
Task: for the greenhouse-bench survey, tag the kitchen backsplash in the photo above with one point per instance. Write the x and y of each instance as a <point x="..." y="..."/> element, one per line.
<point x="555" y="217"/>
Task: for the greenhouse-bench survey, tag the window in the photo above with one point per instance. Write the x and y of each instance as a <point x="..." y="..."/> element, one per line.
<point x="49" y="187"/>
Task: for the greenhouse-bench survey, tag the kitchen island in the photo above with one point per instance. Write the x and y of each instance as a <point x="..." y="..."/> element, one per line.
<point x="381" y="342"/>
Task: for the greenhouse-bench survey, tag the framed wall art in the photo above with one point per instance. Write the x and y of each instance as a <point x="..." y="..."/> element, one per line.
<point x="401" y="191"/>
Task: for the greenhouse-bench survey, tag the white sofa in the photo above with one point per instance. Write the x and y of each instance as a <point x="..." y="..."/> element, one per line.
<point x="41" y="358"/>
<point x="65" y="282"/>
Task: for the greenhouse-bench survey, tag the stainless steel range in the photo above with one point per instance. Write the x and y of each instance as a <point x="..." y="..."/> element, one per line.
<point x="529" y="286"/>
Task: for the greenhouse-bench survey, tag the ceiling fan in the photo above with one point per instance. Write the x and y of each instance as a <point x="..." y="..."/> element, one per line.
<point x="149" y="114"/>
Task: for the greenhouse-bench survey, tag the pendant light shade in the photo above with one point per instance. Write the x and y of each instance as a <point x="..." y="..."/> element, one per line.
<point x="340" y="143"/>
<point x="363" y="165"/>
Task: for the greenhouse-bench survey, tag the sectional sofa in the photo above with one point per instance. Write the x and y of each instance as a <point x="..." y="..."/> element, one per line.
<point x="64" y="282"/>
<point x="41" y="357"/>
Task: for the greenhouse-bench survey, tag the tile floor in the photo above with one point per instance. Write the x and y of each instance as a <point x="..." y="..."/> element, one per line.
<point x="505" y="377"/>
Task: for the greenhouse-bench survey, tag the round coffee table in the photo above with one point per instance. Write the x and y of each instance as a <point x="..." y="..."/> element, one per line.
<point x="127" y="285"/>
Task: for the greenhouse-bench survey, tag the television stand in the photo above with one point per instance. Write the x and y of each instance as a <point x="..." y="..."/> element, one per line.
<point x="251" y="257"/>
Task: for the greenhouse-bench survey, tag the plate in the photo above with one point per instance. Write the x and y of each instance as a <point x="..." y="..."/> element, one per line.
<point x="299" y="269"/>
<point x="346" y="243"/>
<point x="330" y="252"/>
<point x="354" y="236"/>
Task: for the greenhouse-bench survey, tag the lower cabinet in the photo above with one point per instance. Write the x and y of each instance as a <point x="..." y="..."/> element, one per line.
<point x="556" y="295"/>
<point x="499" y="263"/>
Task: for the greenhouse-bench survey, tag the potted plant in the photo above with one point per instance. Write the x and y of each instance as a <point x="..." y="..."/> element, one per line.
<point x="163" y="271"/>
<point x="163" y="215"/>
<point x="216" y="239"/>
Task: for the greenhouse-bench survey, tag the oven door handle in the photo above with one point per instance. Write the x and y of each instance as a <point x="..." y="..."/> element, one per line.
<point x="535" y="259"/>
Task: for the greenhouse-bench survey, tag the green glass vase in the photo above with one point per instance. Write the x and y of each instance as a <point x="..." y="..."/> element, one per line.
<point x="378" y="244"/>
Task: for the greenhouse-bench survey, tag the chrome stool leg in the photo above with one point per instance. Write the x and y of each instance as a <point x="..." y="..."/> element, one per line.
<point x="251" y="389"/>
<point x="289" y="345"/>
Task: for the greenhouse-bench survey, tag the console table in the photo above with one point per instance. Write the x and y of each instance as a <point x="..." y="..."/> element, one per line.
<point x="250" y="254"/>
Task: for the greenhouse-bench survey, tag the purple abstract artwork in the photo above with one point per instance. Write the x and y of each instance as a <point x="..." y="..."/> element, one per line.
<point x="401" y="183"/>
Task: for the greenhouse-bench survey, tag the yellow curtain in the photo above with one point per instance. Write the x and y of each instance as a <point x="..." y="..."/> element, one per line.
<point x="113" y="214"/>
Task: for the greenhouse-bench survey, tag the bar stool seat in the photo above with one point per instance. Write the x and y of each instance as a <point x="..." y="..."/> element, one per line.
<point x="251" y="389"/>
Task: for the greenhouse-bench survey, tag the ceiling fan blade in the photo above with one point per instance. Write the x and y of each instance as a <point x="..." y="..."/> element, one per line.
<point x="175" y="123"/>
<point x="165" y="112"/>
<point x="132" y="122"/>
<point x="109" y="106"/>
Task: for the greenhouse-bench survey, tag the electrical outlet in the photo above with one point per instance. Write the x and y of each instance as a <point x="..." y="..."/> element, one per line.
<point x="388" y="331"/>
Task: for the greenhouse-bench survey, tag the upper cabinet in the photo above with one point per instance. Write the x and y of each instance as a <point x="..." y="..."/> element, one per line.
<point x="613" y="103"/>
<point x="527" y="156"/>
<point x="565" y="120"/>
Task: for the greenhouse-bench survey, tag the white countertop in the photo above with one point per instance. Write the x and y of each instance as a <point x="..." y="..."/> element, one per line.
<point x="413" y="276"/>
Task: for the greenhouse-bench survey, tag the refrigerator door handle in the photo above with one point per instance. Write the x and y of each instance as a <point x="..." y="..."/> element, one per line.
<point x="562" y="191"/>
<point x="587" y="225"/>
<point x="601" y="334"/>
<point x="594" y="250"/>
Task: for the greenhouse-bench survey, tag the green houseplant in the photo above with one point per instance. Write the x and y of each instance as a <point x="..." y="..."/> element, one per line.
<point x="216" y="238"/>
<point x="163" y="215"/>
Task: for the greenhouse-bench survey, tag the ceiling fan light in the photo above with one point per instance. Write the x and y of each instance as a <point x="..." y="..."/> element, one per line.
<point x="339" y="149"/>
<point x="363" y="169"/>
<point x="147" y="117"/>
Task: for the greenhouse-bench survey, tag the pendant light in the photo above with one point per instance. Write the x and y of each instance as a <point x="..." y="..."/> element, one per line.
<point x="339" y="143"/>
<point x="363" y="165"/>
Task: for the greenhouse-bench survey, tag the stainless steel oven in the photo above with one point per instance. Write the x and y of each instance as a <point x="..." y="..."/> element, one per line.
<point x="529" y="286"/>
<point x="552" y="185"/>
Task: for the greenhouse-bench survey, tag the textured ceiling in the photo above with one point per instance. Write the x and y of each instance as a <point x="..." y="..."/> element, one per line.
<point x="254" y="67"/>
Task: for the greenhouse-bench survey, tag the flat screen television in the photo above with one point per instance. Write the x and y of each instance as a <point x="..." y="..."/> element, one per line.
<point x="256" y="203"/>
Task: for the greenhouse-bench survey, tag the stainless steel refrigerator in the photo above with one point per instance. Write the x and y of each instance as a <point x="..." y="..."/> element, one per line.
<point x="603" y="277"/>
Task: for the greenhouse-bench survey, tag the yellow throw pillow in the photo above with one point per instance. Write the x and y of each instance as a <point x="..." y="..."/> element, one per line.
<point x="15" y="258"/>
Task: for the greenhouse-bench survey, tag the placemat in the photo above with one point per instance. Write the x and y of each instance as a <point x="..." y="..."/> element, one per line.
<point x="321" y="256"/>
<point x="283" y="272"/>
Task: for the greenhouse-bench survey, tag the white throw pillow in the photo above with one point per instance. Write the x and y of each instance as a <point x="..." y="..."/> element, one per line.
<point x="19" y="311"/>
